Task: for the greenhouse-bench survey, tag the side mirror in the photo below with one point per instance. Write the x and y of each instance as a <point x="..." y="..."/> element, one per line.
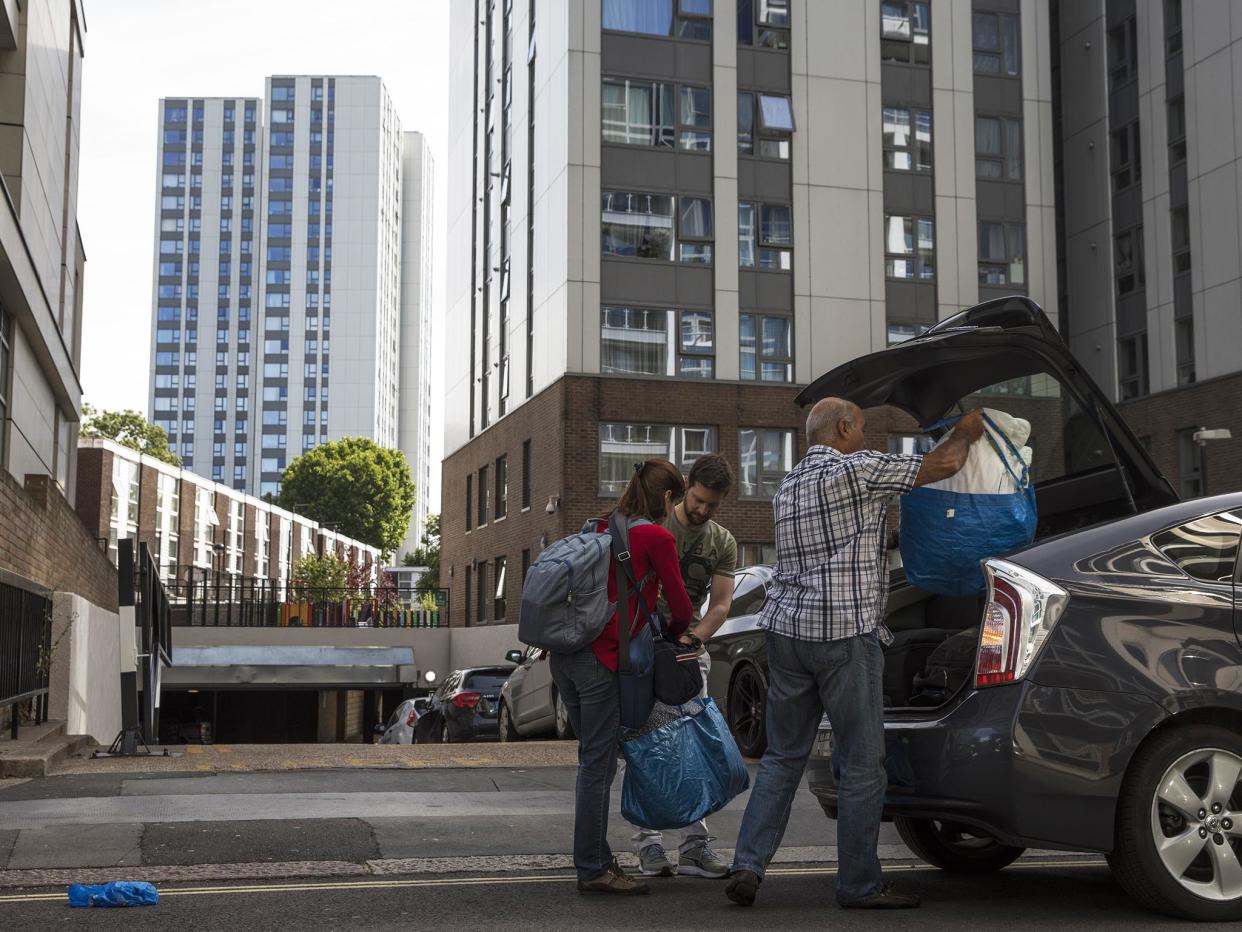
<point x="514" y="656"/>
<point x="380" y="729"/>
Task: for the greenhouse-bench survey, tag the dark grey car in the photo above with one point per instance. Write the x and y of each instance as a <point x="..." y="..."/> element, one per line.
<point x="1092" y="700"/>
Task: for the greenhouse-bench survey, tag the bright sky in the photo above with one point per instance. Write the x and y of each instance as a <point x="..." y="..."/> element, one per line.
<point x="138" y="51"/>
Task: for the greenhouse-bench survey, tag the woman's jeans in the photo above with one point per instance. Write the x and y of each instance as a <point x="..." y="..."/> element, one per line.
<point x="805" y="680"/>
<point x="591" y="693"/>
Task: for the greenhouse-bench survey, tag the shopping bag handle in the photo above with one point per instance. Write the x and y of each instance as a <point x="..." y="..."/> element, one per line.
<point x="1021" y="483"/>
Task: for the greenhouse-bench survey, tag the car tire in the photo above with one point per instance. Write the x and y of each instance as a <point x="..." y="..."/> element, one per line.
<point x="564" y="730"/>
<point x="508" y="731"/>
<point x="1168" y="783"/>
<point x="955" y="848"/>
<point x="747" y="708"/>
<point x="445" y="737"/>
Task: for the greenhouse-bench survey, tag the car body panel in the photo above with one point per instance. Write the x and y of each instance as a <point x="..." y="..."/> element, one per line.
<point x="464" y="724"/>
<point x="529" y="694"/>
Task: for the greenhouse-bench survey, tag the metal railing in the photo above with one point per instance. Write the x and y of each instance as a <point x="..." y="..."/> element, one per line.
<point x="25" y="651"/>
<point x="206" y="599"/>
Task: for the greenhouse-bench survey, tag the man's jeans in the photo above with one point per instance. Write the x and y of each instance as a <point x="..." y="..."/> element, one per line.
<point x="592" y="696"/>
<point x="806" y="679"/>
<point x="695" y="834"/>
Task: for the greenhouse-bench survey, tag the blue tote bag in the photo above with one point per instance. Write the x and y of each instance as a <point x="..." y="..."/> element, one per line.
<point x="945" y="534"/>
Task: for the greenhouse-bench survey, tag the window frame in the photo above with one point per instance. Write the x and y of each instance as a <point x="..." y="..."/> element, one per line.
<point x="758" y="140"/>
<point x="756" y="244"/>
<point x="501" y="502"/>
<point x="1127" y="173"/>
<point x="1006" y="159"/>
<point x="1180" y="246"/>
<point x="1177" y="143"/>
<point x="997" y="52"/>
<point x="683" y="25"/>
<point x="526" y="469"/>
<point x="1133" y="384"/>
<point x="676" y="353"/>
<point x="1172" y="38"/>
<point x="1138" y="270"/>
<point x="676" y="450"/>
<point x="761" y="358"/>
<point x="1008" y="230"/>
<point x="916" y="52"/>
<point x="1184" y="349"/>
<point x="469" y="502"/>
<point x="1123" y="37"/>
<point x="915" y="256"/>
<point x="912" y="148"/>
<point x="754" y="31"/>
<point x="763" y="476"/>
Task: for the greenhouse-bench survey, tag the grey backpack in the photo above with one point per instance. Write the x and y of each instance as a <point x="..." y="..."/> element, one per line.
<point x="565" y="594"/>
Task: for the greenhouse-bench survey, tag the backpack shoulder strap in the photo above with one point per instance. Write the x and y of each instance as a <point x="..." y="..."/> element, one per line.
<point x="619" y="531"/>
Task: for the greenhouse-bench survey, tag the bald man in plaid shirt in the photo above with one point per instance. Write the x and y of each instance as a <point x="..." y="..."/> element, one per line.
<point x="824" y="620"/>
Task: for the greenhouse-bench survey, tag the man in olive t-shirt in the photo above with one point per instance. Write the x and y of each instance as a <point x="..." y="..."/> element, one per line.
<point x="708" y="555"/>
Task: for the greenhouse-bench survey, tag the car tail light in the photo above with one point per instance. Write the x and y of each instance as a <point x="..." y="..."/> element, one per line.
<point x="412" y="717"/>
<point x="1021" y="611"/>
<point x="467" y="700"/>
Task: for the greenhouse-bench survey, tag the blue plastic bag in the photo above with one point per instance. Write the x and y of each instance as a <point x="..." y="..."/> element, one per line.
<point x="944" y="535"/>
<point x="683" y="771"/>
<point x="114" y="893"/>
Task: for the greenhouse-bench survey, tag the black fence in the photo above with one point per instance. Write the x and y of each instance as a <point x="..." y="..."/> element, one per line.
<point x="203" y="598"/>
<point x="25" y="651"/>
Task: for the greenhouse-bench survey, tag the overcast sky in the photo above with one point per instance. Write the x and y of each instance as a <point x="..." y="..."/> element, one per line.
<point x="138" y="51"/>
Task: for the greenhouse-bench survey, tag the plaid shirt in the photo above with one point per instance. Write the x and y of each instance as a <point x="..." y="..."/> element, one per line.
<point x="831" y="578"/>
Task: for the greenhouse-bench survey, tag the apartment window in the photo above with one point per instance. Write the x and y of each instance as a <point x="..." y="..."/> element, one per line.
<point x="765" y="124"/>
<point x="1180" y="229"/>
<point x="651" y="341"/>
<point x="642" y="226"/>
<point x="1131" y="268"/>
<point x="502" y="486"/>
<point x="765" y="456"/>
<point x="998" y="148"/>
<point x="1184" y="339"/>
<point x="498" y="605"/>
<point x="481" y="582"/>
<point x="996" y="44"/>
<point x="767" y="244"/>
<point x="526" y="467"/>
<point x="766" y="348"/>
<point x="1189" y="463"/>
<point x="484" y="493"/>
<point x="1122" y="53"/>
<point x="1177" y="129"/>
<point x="907" y="139"/>
<point x="1132" y="366"/>
<point x="1002" y="253"/>
<point x="1127" y="167"/>
<point x="905" y="33"/>
<point x="909" y="444"/>
<point x="469" y="500"/>
<point x="1172" y="26"/>
<point x="764" y="23"/>
<point x="910" y="248"/>
<point x="469" y="592"/>
<point x="623" y="445"/>
<point x="686" y="19"/>
<point x="646" y="113"/>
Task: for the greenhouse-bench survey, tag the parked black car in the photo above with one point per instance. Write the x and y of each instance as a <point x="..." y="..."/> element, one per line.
<point x="1092" y="699"/>
<point x="464" y="707"/>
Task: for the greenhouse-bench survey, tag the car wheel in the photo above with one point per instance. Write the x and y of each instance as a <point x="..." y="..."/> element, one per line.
<point x="953" y="847"/>
<point x="508" y="731"/>
<point x="1179" y="825"/>
<point x="564" y="730"/>
<point x="748" y="704"/>
<point x="445" y="737"/>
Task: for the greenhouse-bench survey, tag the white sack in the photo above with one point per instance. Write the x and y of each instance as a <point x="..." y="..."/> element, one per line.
<point x="985" y="472"/>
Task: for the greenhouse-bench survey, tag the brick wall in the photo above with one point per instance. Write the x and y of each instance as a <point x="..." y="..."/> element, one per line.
<point x="42" y="539"/>
<point x="1158" y="419"/>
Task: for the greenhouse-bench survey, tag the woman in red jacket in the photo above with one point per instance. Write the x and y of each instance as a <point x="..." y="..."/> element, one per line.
<point x="587" y="679"/>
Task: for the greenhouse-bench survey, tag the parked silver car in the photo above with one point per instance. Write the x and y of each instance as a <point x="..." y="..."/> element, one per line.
<point x="529" y="705"/>
<point x="400" y="726"/>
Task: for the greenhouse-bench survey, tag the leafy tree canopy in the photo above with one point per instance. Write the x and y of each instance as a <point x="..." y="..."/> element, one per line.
<point x="321" y="579"/>
<point x="362" y="488"/>
<point x="130" y="429"/>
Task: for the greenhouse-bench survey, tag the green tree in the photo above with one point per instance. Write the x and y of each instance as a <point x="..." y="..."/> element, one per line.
<point x="427" y="554"/>
<point x="319" y="579"/>
<point x="354" y="483"/>
<point x="129" y="429"/>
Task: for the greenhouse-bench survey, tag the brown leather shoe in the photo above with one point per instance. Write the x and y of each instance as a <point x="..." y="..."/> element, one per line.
<point x="612" y="879"/>
<point x="886" y="898"/>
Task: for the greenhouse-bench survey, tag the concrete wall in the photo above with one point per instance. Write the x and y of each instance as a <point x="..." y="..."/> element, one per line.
<point x="86" y="662"/>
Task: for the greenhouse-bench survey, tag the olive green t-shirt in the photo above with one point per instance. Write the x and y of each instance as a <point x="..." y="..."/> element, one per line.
<point x="703" y="551"/>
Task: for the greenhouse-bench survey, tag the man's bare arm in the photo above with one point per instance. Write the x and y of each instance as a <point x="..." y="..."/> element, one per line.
<point x="948" y="458"/>
<point x="718" y="604"/>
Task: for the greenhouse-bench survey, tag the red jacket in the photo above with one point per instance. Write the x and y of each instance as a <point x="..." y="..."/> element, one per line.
<point x="651" y="548"/>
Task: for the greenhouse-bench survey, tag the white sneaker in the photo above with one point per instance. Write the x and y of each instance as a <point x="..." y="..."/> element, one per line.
<point x="702" y="861"/>
<point x="653" y="861"/>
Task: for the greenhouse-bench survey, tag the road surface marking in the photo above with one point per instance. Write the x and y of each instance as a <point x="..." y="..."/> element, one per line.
<point x="313" y="886"/>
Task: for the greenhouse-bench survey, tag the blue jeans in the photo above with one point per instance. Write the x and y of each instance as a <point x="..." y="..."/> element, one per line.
<point x="806" y="679"/>
<point x="592" y="696"/>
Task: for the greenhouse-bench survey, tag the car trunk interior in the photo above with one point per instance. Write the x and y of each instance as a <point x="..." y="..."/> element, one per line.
<point x="933" y="649"/>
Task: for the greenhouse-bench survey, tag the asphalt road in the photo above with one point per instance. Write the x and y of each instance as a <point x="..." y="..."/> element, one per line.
<point x="1026" y="898"/>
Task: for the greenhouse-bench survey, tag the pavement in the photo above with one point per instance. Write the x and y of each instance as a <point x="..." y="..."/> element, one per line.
<point x="425" y="841"/>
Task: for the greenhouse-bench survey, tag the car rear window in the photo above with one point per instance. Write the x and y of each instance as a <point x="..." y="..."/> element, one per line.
<point x="1205" y="549"/>
<point x="485" y="680"/>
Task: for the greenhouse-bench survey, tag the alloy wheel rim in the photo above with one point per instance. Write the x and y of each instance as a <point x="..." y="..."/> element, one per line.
<point x="562" y="715"/>
<point x="1196" y="823"/>
<point x="504" y="723"/>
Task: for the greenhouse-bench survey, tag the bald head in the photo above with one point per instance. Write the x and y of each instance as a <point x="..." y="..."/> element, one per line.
<point x="837" y="423"/>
